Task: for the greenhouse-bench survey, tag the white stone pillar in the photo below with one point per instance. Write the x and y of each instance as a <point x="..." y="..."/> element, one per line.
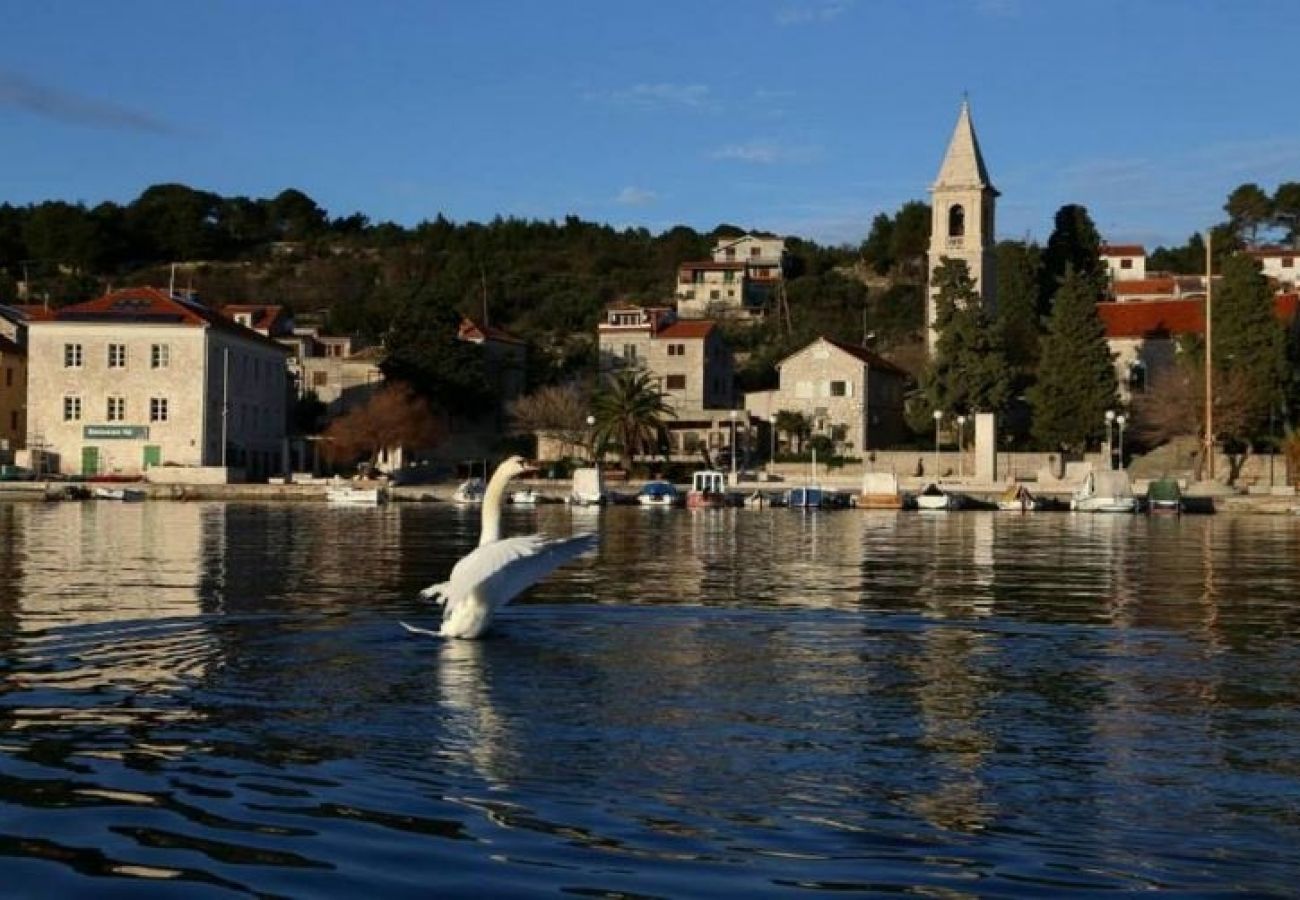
<point x="986" y="448"/>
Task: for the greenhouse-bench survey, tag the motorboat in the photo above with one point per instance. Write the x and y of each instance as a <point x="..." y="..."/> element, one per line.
<point x="807" y="497"/>
<point x="1164" y="495"/>
<point x="588" y="488"/>
<point x="1105" y="492"/>
<point x="658" y="494"/>
<point x="933" y="497"/>
<point x="469" y="493"/>
<point x="524" y="497"/>
<point x="880" y="490"/>
<point x="708" y="490"/>
<point x="352" y="495"/>
<point x="126" y="495"/>
<point x="1018" y="498"/>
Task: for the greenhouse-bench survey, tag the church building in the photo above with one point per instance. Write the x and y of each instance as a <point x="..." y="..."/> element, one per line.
<point x="963" y="203"/>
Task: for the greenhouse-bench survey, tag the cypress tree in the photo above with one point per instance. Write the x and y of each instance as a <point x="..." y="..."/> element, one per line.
<point x="1076" y="376"/>
<point x="1249" y="341"/>
<point x="1019" y="269"/>
<point x="1074" y="243"/>
<point x="970" y="371"/>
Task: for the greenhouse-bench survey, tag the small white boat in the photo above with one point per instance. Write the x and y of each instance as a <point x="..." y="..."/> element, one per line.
<point x="933" y="497"/>
<point x="351" y="495"/>
<point x="1105" y="492"/>
<point x="588" y="488"/>
<point x="708" y="490"/>
<point x="1019" y="498"/>
<point x="126" y="495"/>
<point x="880" y="490"/>
<point x="470" y="492"/>
<point x="524" y="497"/>
<point x="658" y="495"/>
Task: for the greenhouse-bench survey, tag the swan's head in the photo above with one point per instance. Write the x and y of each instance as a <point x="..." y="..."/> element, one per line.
<point x="515" y="465"/>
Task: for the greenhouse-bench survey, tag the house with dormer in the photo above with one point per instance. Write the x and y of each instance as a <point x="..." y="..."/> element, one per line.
<point x="140" y="378"/>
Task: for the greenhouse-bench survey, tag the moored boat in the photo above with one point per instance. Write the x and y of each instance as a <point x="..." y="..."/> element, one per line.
<point x="524" y="497"/>
<point x="933" y="497"/>
<point x="1164" y="495"/>
<point x="880" y="490"/>
<point x="588" y="488"/>
<point x="708" y="490"/>
<point x="469" y="493"/>
<point x="1105" y="492"/>
<point x="1018" y="498"/>
<point x="351" y="495"/>
<point x="658" y="494"/>
<point x="126" y="495"/>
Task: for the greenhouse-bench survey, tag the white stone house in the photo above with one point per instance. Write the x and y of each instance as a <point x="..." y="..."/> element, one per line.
<point x="848" y="393"/>
<point x="1124" y="262"/>
<point x="140" y="378"/>
<point x="1280" y="264"/>
<point x="738" y="282"/>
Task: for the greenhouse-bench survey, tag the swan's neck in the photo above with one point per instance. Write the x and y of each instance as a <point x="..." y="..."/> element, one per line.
<point x="494" y="497"/>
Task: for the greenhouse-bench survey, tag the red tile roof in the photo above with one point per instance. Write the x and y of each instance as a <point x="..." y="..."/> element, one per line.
<point x="1159" y="318"/>
<point x="1131" y="286"/>
<point x="33" y="312"/>
<point x="149" y="305"/>
<point x="736" y="266"/>
<point x="472" y="330"/>
<point x="1122" y="250"/>
<point x="1270" y="252"/>
<point x="875" y="360"/>
<point x="687" y="329"/>
<point x="264" y="318"/>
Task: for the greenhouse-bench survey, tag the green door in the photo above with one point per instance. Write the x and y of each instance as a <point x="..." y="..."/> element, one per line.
<point x="152" y="455"/>
<point x="89" y="460"/>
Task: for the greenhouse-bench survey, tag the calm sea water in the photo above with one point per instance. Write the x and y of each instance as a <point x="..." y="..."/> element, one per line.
<point x="211" y="700"/>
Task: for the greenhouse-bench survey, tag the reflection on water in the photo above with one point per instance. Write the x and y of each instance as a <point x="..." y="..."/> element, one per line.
<point x="721" y="701"/>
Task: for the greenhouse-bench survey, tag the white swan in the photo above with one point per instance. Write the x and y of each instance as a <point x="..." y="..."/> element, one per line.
<point x="498" y="570"/>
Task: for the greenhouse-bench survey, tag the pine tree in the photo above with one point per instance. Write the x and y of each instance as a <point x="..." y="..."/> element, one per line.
<point x="1076" y="376"/>
<point x="1249" y="341"/>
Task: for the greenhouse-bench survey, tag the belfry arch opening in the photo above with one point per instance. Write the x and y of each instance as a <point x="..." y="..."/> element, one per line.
<point x="956" y="220"/>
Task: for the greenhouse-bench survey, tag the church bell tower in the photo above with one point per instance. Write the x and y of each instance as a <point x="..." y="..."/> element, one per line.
<point x="962" y="203"/>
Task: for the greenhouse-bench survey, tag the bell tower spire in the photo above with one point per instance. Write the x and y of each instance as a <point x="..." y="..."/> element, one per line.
<point x="962" y="225"/>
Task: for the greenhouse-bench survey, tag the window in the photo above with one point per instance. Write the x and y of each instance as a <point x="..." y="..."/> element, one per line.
<point x="1288" y="262"/>
<point x="1126" y="263"/>
<point x="72" y="409"/>
<point x="676" y="349"/>
<point x="675" y="382"/>
<point x="731" y="253"/>
<point x="755" y="251"/>
<point x="956" y="220"/>
<point x="116" y="409"/>
<point x="157" y="409"/>
<point x="713" y="295"/>
<point x="629" y="352"/>
<point x="838" y="389"/>
<point x="72" y="356"/>
<point x="320" y="379"/>
<point x="728" y="277"/>
<point x="160" y="356"/>
<point x="117" y="356"/>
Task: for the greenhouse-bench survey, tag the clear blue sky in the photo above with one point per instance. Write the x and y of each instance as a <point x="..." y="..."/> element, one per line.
<point x="805" y="118"/>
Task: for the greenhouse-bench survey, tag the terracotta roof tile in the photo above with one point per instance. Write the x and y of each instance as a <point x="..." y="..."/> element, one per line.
<point x="688" y="329"/>
<point x="1151" y="318"/>
<point x="151" y="305"/>
<point x="1144" y="286"/>
<point x="1122" y="250"/>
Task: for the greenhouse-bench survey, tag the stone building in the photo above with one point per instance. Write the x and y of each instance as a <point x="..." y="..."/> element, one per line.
<point x="848" y="393"/>
<point x="738" y="282"/>
<point x="963" y="219"/>
<point x="13" y="397"/>
<point x="140" y="378"/>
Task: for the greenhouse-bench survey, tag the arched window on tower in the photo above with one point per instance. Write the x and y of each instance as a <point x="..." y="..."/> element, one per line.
<point x="956" y="220"/>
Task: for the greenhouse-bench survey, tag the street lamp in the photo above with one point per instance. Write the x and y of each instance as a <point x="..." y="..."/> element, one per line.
<point x="1120" y="420"/>
<point x="771" y="459"/>
<point x="1110" y="446"/>
<point x="591" y="438"/>
<point x="734" y="414"/>
<point x="961" y="446"/>
<point x="938" y="417"/>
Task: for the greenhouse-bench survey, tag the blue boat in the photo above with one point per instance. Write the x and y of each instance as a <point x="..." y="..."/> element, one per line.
<point x="658" y="494"/>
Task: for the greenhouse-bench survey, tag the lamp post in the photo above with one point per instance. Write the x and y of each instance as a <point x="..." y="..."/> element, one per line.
<point x="1110" y="446"/>
<point x="961" y="446"/>
<point x="1120" y="420"/>
<point x="591" y="438"/>
<point x="734" y="414"/>
<point x="771" y="459"/>
<point x="938" y="417"/>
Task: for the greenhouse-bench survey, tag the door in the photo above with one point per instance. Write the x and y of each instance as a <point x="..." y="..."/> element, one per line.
<point x="89" y="460"/>
<point x="152" y="455"/>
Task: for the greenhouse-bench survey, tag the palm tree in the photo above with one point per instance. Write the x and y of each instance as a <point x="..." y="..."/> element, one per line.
<point x="630" y="411"/>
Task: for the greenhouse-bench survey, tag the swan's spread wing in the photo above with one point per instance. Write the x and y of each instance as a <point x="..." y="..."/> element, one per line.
<point x="500" y="571"/>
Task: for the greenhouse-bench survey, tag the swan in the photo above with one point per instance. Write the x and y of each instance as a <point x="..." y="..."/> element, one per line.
<point x="499" y="569"/>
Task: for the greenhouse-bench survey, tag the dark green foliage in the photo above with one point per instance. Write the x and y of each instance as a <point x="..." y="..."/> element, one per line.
<point x="1286" y="209"/>
<point x="1076" y="376"/>
<point x="422" y="350"/>
<point x="1188" y="259"/>
<point x="877" y="250"/>
<point x="1249" y="342"/>
<point x="1019" y="273"/>
<point x="1074" y="244"/>
<point x="631" y="413"/>
<point x="969" y="372"/>
<point x="1248" y="209"/>
<point x="897" y="245"/>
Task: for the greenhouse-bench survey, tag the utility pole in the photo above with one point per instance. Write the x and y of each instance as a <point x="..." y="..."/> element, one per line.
<point x="1209" y="353"/>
